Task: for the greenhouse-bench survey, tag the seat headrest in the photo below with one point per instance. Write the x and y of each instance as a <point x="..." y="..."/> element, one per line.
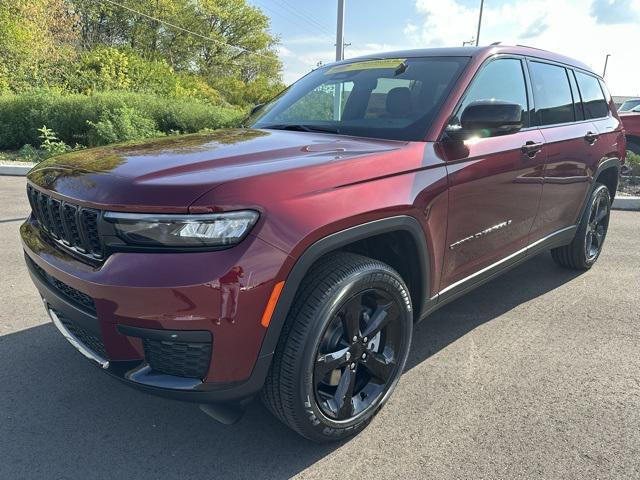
<point x="399" y="101"/>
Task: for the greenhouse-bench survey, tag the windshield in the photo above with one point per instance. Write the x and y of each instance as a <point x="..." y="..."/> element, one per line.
<point x="393" y="98"/>
<point x="629" y="105"/>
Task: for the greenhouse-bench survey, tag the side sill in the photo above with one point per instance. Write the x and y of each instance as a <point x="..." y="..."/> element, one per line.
<point x="456" y="290"/>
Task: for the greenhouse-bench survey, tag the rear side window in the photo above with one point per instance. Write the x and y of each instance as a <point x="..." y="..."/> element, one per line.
<point x="501" y="80"/>
<point x="595" y="104"/>
<point x="552" y="94"/>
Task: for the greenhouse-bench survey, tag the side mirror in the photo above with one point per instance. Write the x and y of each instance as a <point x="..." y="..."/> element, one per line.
<point x="487" y="119"/>
<point x="257" y="108"/>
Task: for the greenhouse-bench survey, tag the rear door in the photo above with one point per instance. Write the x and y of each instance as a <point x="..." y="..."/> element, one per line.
<point x="494" y="186"/>
<point x="571" y="143"/>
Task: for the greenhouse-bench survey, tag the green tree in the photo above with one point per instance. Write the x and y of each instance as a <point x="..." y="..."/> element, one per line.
<point x="37" y="39"/>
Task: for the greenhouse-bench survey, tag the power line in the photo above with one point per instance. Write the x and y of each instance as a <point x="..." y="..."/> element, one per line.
<point x="308" y="19"/>
<point x="177" y="27"/>
<point x="289" y="17"/>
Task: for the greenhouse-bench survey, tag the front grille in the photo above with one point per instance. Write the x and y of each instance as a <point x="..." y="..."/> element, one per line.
<point x="90" y="340"/>
<point x="72" y="226"/>
<point x="182" y="359"/>
<point x="76" y="297"/>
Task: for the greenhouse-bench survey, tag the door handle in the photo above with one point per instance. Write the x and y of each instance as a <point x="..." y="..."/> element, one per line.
<point x="591" y="137"/>
<point x="531" y="149"/>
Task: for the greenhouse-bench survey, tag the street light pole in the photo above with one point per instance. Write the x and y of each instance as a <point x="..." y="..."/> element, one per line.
<point x="606" y="61"/>
<point x="479" y="22"/>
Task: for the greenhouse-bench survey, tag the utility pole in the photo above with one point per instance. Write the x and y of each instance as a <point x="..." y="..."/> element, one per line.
<point x="337" y="97"/>
<point x="479" y="22"/>
<point x="340" y="32"/>
<point x="606" y="61"/>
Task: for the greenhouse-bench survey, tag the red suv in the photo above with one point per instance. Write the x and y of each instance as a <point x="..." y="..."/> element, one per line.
<point x="291" y="259"/>
<point x="631" y="122"/>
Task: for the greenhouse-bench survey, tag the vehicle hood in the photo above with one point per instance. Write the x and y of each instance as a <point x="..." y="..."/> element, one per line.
<point x="170" y="173"/>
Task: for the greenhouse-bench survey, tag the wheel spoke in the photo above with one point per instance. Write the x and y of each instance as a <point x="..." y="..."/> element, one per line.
<point x="329" y="361"/>
<point x="599" y="237"/>
<point x="379" y="366"/>
<point x="344" y="394"/>
<point x="602" y="213"/>
<point x="380" y="318"/>
<point x="351" y="318"/>
<point x="594" y="210"/>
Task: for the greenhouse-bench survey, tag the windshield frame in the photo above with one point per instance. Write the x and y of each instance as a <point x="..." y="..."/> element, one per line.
<point x="416" y="130"/>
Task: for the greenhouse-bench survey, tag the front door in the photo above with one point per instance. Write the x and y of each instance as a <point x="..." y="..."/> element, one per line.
<point x="495" y="183"/>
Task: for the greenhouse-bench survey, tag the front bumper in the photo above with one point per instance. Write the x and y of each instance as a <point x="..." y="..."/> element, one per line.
<point x="142" y="298"/>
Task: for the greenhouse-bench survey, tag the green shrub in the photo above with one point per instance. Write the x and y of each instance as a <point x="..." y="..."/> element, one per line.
<point x="633" y="161"/>
<point x="121" y="125"/>
<point x="84" y="119"/>
<point x="51" y="144"/>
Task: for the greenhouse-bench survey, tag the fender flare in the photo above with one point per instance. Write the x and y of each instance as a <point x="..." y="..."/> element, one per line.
<point x="331" y="243"/>
<point x="604" y="165"/>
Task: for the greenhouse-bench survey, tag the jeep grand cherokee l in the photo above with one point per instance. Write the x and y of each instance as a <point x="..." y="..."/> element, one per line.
<point x="291" y="259"/>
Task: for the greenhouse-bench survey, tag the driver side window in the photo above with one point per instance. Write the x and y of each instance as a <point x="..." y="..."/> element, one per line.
<point x="500" y="80"/>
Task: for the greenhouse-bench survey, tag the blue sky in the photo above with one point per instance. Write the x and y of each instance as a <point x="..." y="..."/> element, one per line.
<point x="583" y="29"/>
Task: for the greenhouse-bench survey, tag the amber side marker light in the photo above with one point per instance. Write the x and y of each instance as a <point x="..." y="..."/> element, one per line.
<point x="271" y="304"/>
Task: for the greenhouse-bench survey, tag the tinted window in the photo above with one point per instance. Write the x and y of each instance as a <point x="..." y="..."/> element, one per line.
<point x="552" y="94"/>
<point x="501" y="80"/>
<point x="595" y="105"/>
<point x="394" y="98"/>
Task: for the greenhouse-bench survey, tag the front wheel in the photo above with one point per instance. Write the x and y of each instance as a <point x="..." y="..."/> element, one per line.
<point x="586" y="246"/>
<point x="342" y="349"/>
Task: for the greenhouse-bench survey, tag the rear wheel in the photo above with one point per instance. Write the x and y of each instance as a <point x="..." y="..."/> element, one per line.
<point x="586" y="246"/>
<point x="342" y="349"/>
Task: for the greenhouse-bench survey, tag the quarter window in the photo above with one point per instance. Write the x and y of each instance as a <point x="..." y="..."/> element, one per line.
<point x="552" y="94"/>
<point x="595" y="104"/>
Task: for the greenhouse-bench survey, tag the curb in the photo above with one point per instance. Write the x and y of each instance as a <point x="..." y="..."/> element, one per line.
<point x="17" y="170"/>
<point x="626" y="203"/>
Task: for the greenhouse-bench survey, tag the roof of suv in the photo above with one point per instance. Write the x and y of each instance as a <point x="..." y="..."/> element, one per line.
<point x="477" y="52"/>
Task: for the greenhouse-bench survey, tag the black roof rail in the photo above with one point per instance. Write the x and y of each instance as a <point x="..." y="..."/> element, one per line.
<point x="495" y="43"/>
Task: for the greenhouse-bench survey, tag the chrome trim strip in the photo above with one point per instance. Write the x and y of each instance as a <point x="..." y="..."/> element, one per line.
<point x="90" y="354"/>
<point x="505" y="259"/>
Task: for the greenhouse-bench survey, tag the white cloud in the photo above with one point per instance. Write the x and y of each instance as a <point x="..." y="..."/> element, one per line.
<point x="582" y="29"/>
<point x="568" y="27"/>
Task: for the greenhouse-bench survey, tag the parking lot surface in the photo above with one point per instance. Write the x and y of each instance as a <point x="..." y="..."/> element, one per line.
<point x="533" y="375"/>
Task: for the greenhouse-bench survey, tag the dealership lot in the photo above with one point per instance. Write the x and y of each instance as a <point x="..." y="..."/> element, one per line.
<point x="534" y="375"/>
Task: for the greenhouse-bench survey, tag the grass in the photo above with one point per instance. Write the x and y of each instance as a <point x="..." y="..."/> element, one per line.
<point x="15" y="156"/>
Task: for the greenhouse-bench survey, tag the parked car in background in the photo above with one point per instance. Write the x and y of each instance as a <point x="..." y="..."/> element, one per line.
<point x="630" y="105"/>
<point x="292" y="259"/>
<point x="631" y="123"/>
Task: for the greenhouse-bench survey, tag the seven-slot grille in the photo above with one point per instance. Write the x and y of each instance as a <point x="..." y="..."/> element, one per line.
<point x="74" y="227"/>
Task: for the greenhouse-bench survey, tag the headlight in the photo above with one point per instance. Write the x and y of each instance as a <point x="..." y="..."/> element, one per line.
<point x="207" y="230"/>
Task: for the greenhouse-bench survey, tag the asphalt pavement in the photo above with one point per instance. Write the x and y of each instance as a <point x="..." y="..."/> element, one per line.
<point x="534" y="375"/>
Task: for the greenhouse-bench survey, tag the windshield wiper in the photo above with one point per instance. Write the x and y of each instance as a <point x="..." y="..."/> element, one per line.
<point x="298" y="127"/>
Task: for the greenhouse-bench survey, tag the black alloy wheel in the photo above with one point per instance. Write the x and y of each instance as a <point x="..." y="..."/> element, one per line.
<point x="358" y="355"/>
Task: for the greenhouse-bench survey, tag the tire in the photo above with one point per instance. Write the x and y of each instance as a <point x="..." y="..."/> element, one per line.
<point x="298" y="389"/>
<point x="583" y="252"/>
